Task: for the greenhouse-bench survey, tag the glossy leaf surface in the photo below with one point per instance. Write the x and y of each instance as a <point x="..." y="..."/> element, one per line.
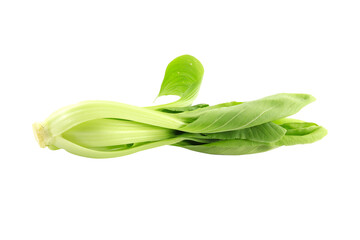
<point x="182" y="78"/>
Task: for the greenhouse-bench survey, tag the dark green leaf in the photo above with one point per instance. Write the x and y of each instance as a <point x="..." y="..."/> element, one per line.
<point x="267" y="132"/>
<point x="231" y="147"/>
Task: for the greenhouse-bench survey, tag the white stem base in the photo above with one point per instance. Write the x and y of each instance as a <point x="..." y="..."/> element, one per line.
<point x="39" y="134"/>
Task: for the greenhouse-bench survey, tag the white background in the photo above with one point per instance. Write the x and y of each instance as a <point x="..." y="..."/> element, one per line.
<point x="55" y="53"/>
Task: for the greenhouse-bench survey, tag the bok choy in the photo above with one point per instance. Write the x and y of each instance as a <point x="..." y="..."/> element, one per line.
<point x="105" y="129"/>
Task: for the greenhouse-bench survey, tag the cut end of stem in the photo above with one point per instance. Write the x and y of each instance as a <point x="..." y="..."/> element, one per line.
<point x="39" y="134"/>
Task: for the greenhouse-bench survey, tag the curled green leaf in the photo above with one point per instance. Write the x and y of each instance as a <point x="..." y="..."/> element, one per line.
<point x="182" y="78"/>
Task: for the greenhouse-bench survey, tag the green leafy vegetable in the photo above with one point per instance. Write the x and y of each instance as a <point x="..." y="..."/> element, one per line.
<point x="105" y="129"/>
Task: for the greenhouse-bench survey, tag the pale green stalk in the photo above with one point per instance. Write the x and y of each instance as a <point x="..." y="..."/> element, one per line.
<point x="91" y="153"/>
<point x="73" y="115"/>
